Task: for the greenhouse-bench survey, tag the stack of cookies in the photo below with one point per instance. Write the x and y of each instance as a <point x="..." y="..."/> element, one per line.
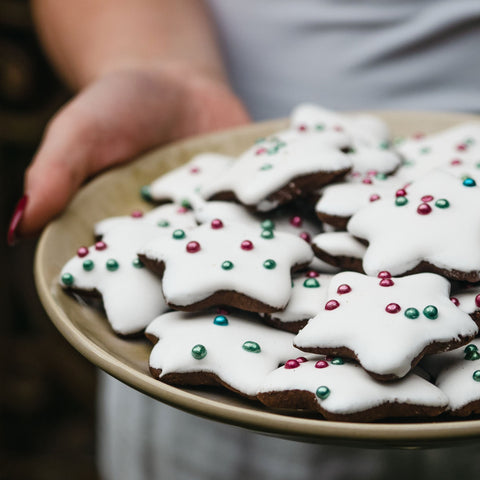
<point x="312" y="273"/>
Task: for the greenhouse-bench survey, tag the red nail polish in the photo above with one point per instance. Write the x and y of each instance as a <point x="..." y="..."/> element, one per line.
<point x="15" y="221"/>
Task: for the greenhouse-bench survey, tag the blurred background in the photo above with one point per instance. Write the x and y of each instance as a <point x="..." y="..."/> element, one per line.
<point x="47" y="392"/>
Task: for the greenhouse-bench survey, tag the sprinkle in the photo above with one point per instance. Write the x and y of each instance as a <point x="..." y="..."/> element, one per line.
<point x="252" y="347"/>
<point x="183" y="209"/>
<point x="311" y="283"/>
<point x="321" y="364"/>
<point x="322" y="392"/>
<point x="392" y="308"/>
<point x="337" y="361"/>
<point x="216" y="223"/>
<point x="424" y="209"/>
<point x="268" y="225"/>
<point x="193" y="247"/>
<point x="301" y="359"/>
<point x="246" y="245"/>
<point x="266" y="166"/>
<point x="312" y="274"/>
<point x="137" y="263"/>
<point x="400" y="192"/>
<point x="296" y="221"/>
<point x="319" y="126"/>
<point x="302" y="128"/>
<point x="476" y="375"/>
<point x="384" y="274"/>
<point x="220" y="320"/>
<point x="267" y="234"/>
<point x="427" y="198"/>
<point x="186" y="204"/>
<point x="401" y="201"/>
<point x="442" y="203"/>
<point x="260" y="151"/>
<point x="112" y="265"/>
<point x="386" y="282"/>
<point x="137" y="214"/>
<point x="469" y="182"/>
<point x="425" y="150"/>
<point x="470" y="348"/>
<point x="199" y="352"/>
<point x="455" y="301"/>
<point x="367" y="181"/>
<point x="88" y="265"/>
<point x="100" y="246"/>
<point x="431" y="312"/>
<point x="456" y="161"/>
<point x="194" y="170"/>
<point x="331" y="305"/>
<point x="412" y="313"/>
<point x="290" y="364"/>
<point x="477" y="301"/>
<point x="380" y="176"/>
<point x="269" y="264"/>
<point x="178" y="234"/>
<point x="82" y="252"/>
<point x="305" y="236"/>
<point x="343" y="289"/>
<point x="374" y="197"/>
<point x="145" y="193"/>
<point x="227" y="265"/>
<point x="67" y="279"/>
<point x="163" y="223"/>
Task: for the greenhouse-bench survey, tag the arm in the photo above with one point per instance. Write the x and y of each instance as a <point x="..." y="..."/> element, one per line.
<point x="149" y="72"/>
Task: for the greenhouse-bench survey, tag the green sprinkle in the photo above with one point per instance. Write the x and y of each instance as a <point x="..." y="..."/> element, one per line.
<point x="431" y="312"/>
<point x="442" y="203"/>
<point x="252" y="347"/>
<point x="412" y="313"/>
<point x="320" y="126"/>
<point x="470" y="348"/>
<point x="163" y="223"/>
<point x="88" y="265"/>
<point x="267" y="234"/>
<point x="266" y="166"/>
<point x="472" y="356"/>
<point x="268" y="224"/>
<point x="337" y="361"/>
<point x="476" y="375"/>
<point x="186" y="204"/>
<point x="385" y="145"/>
<point x="311" y="283"/>
<point x="137" y="263"/>
<point x="199" y="352"/>
<point x="227" y="265"/>
<point x="401" y="201"/>
<point x="380" y="176"/>
<point x="178" y="234"/>
<point x="67" y="279"/>
<point x="269" y="264"/>
<point x="322" y="392"/>
<point x="220" y="320"/>
<point x="145" y="193"/>
<point x="112" y="265"/>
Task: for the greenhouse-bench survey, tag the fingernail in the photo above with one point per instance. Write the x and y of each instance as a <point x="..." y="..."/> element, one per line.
<point x="15" y="221"/>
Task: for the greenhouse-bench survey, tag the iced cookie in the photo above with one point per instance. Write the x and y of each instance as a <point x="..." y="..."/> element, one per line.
<point x="431" y="225"/>
<point x="223" y="264"/>
<point x="281" y="168"/>
<point x="309" y="291"/>
<point x="387" y="324"/>
<point x="342" y="391"/>
<point x="233" y="350"/>
<point x="468" y="300"/>
<point x="131" y="295"/>
<point x="458" y="376"/>
<point x="183" y="184"/>
<point x="339" y="249"/>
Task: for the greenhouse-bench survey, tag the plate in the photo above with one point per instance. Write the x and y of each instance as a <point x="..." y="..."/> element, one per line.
<point x="116" y="192"/>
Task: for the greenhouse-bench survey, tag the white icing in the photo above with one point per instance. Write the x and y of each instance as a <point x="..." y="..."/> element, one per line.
<point x="455" y="376"/>
<point x="132" y="296"/>
<point x="305" y="302"/>
<point x="184" y="183"/>
<point x="386" y="343"/>
<point x="345" y="199"/>
<point x="242" y="370"/>
<point x="339" y="244"/>
<point x="166" y="217"/>
<point x="400" y="238"/>
<point x="257" y="174"/>
<point x="352" y="390"/>
<point x="192" y="277"/>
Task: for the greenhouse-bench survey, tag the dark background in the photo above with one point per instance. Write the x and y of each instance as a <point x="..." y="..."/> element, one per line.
<point x="47" y="390"/>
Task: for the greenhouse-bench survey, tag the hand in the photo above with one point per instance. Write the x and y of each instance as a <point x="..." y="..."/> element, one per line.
<point x="111" y="122"/>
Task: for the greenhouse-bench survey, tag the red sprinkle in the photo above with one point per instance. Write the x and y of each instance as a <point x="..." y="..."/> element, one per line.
<point x="296" y="221"/>
<point x="427" y="198"/>
<point x="182" y="210"/>
<point x="222" y="311"/>
<point x="371" y="173"/>
<point x="246" y="245"/>
<point x="384" y="274"/>
<point x="302" y="128"/>
<point x="194" y="170"/>
<point x="260" y="151"/>
<point x="374" y="197"/>
<point x="301" y="360"/>
<point x="312" y="274"/>
<point x="462" y="147"/>
<point x="386" y="282"/>
<point x="321" y="364"/>
<point x="424" y="209"/>
<point x="392" y="308"/>
<point x="193" y="247"/>
<point x="477" y="300"/>
<point x="418" y="135"/>
<point x="456" y="161"/>
<point x="137" y="214"/>
<point x="367" y="181"/>
<point x="100" y="246"/>
<point x="289" y="364"/>
<point x="401" y="192"/>
<point x="331" y="305"/>
<point x="344" y="288"/>
<point x="306" y="236"/>
<point x="216" y="224"/>
<point x="455" y="301"/>
<point x="82" y="252"/>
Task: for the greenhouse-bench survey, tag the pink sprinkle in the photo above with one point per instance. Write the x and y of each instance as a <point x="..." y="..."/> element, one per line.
<point x="193" y="247"/>
<point x="384" y="274"/>
<point x="424" y="209"/>
<point x="427" y="198"/>
<point x="296" y="221"/>
<point x="400" y="192"/>
<point x="289" y="364"/>
<point x="392" y="308"/>
<point x="82" y="252"/>
<point x="374" y="197"/>
<point x="355" y="174"/>
<point x="462" y="147"/>
<point x="194" y="170"/>
<point x="216" y="223"/>
<point x="100" y="246"/>
<point x="306" y="236"/>
<point x="137" y="214"/>
<point x="312" y="274"/>
<point x="222" y="311"/>
<point x="331" y="305"/>
<point x="344" y="288"/>
<point x="455" y="301"/>
<point x="302" y="128"/>
<point x="456" y="161"/>
<point x="371" y="173"/>
<point x="477" y="300"/>
<point x="386" y="282"/>
<point x="246" y="245"/>
<point x="182" y="210"/>
<point x="418" y="135"/>
<point x="260" y="151"/>
<point x="321" y="364"/>
<point x="301" y="360"/>
<point x="329" y="358"/>
<point x="367" y="181"/>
